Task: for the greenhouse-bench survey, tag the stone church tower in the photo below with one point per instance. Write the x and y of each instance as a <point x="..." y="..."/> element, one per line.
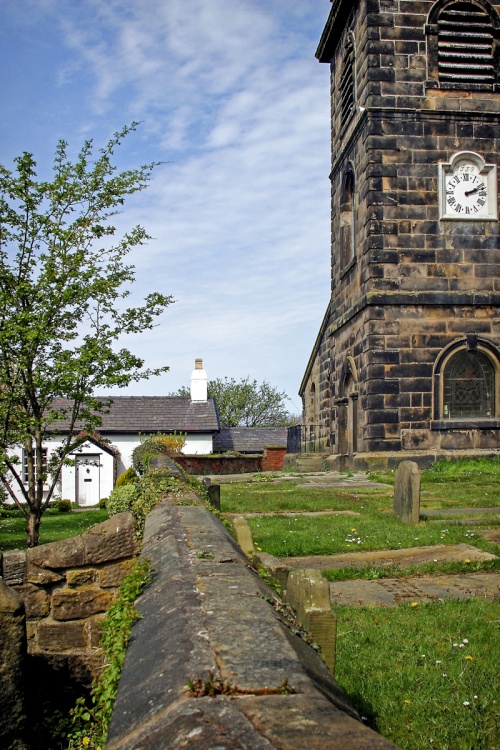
<point x="407" y="359"/>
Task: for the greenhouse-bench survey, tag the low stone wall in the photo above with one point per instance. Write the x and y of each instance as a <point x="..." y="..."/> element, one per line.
<point x="214" y="464"/>
<point x="213" y="661"/>
<point x="271" y="460"/>
<point x="67" y="587"/>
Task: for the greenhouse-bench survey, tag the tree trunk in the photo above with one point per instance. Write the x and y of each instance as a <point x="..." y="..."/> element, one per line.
<point x="33" y="528"/>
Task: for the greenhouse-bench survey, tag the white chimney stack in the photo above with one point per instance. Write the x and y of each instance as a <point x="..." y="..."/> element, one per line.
<point x="199" y="382"/>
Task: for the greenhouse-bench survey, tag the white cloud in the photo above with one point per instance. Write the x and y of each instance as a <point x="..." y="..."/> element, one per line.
<point x="233" y="100"/>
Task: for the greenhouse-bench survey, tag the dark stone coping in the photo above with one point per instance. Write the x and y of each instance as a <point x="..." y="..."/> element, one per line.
<point x="207" y="611"/>
<point x="465" y="424"/>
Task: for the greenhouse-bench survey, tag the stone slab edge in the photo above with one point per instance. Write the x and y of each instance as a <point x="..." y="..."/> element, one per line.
<point x="206" y="612"/>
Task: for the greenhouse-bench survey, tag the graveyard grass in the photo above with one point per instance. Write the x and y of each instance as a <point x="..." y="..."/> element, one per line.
<point x="425" y="675"/>
<point x="55" y="526"/>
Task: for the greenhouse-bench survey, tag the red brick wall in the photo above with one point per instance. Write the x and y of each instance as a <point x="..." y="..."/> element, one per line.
<point x="273" y="459"/>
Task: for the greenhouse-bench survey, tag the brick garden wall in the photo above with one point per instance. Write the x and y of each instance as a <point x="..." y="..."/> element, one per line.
<point x="270" y="460"/>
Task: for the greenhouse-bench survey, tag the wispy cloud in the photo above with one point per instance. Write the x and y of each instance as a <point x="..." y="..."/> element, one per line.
<point x="233" y="101"/>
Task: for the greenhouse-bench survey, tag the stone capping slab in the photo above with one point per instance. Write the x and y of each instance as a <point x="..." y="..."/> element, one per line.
<point x="112" y="539"/>
<point x="206" y="611"/>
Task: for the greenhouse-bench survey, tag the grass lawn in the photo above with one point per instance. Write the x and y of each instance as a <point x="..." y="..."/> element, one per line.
<point x="424" y="676"/>
<point x="55" y="526"/>
<point x="373" y="526"/>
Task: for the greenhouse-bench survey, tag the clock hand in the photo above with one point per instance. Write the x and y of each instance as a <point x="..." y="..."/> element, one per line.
<point x="471" y="192"/>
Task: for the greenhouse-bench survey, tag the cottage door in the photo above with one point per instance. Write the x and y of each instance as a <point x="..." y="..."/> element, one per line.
<point x="88" y="479"/>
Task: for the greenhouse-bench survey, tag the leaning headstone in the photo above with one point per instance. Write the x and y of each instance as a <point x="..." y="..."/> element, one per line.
<point x="308" y="593"/>
<point x="244" y="536"/>
<point x="12" y="655"/>
<point x="214" y="496"/>
<point x="407" y="493"/>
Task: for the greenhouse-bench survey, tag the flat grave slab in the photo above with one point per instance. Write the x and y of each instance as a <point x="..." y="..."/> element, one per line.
<point x="390" y="592"/>
<point x="400" y="557"/>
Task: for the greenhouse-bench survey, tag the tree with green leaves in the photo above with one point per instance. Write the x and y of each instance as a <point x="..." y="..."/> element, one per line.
<point x="63" y="282"/>
<point x="246" y="403"/>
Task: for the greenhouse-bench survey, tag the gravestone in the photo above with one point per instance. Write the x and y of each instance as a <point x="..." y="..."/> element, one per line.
<point x="214" y="496"/>
<point x="407" y="493"/>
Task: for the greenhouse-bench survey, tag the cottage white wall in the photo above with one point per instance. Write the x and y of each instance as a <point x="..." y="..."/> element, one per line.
<point x="106" y="474"/>
<point x="18" y="451"/>
<point x="198" y="445"/>
<point x="123" y="445"/>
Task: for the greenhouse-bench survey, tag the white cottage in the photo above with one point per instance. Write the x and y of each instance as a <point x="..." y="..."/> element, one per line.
<point x="104" y="456"/>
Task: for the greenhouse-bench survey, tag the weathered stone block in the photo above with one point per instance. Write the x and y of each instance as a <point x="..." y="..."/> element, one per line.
<point x="75" y="604"/>
<point x="60" y="637"/>
<point x="42" y="576"/>
<point x="111" y="540"/>
<point x="407" y="492"/>
<point x="95" y="630"/>
<point x="14" y="567"/>
<point x="68" y="553"/>
<point x="112" y="575"/>
<point x="12" y="655"/>
<point x="36" y="600"/>
<point x="82" y="577"/>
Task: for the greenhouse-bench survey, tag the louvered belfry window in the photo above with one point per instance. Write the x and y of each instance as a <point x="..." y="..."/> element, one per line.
<point x="465" y="45"/>
<point x="347" y="85"/>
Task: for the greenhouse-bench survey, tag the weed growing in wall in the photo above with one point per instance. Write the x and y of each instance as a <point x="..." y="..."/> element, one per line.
<point x="90" y="723"/>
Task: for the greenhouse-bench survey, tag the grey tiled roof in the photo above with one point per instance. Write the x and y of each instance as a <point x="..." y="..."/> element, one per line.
<point x="249" y="439"/>
<point x="145" y="414"/>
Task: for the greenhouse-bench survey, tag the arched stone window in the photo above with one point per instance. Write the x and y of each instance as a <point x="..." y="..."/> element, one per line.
<point x="347" y="220"/>
<point x="347" y="85"/>
<point x="467" y="381"/>
<point x="463" y="45"/>
<point x="468" y="386"/>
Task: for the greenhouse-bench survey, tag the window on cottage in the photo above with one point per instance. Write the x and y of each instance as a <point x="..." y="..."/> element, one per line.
<point x="347" y="220"/>
<point x="469" y="380"/>
<point x="465" y="45"/>
<point x="25" y="463"/>
<point x="347" y="85"/>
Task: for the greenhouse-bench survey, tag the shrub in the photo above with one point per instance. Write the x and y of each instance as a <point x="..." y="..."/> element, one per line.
<point x="122" y="499"/>
<point x="63" y="506"/>
<point x="103" y="503"/>
<point x="129" y="476"/>
<point x="154" y="446"/>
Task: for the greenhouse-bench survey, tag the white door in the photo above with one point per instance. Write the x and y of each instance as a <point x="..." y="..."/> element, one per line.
<point x="87" y="479"/>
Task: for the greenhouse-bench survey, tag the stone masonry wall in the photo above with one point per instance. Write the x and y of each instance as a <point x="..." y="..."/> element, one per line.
<point x="67" y="587"/>
<point x="417" y="283"/>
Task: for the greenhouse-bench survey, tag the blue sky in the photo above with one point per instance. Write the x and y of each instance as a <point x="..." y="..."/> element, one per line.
<point x="233" y="101"/>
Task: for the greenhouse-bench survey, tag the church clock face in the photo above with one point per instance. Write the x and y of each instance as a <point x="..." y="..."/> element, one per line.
<point x="468" y="188"/>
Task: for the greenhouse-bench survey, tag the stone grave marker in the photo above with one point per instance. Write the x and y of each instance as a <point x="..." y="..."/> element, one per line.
<point x="407" y="492"/>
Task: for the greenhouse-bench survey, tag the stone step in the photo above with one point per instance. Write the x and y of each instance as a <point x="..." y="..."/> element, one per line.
<point x="310" y="462"/>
